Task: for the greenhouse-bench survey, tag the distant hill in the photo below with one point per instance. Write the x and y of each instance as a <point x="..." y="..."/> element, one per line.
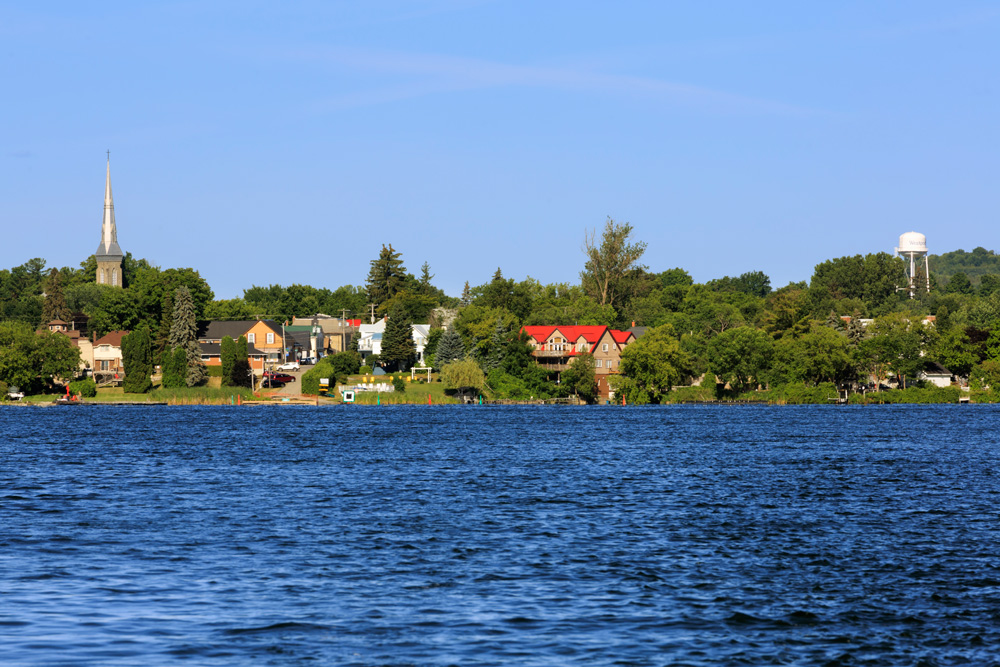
<point x="975" y="264"/>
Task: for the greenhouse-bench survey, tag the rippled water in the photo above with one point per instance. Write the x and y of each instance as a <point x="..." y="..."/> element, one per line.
<point x="486" y="536"/>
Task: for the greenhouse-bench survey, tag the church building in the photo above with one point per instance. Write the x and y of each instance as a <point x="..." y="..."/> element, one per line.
<point x="109" y="254"/>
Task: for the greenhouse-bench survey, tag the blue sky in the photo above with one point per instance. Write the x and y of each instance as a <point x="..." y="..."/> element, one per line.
<point x="267" y="144"/>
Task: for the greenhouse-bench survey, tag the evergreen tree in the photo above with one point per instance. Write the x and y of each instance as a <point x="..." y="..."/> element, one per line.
<point x="137" y="356"/>
<point x="449" y="348"/>
<point x="166" y="321"/>
<point x="834" y="322"/>
<point x="242" y="375"/>
<point x="855" y="330"/>
<point x="466" y="295"/>
<point x="495" y="354"/>
<point x="228" y="357"/>
<point x="54" y="307"/>
<point x="398" y="348"/>
<point x="174" y="368"/>
<point x="184" y="335"/>
<point x="425" y="286"/>
<point x="386" y="278"/>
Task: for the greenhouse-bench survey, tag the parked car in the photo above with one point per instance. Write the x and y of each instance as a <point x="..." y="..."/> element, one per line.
<point x="307" y="361"/>
<point x="283" y="378"/>
<point x="271" y="382"/>
<point x="289" y="366"/>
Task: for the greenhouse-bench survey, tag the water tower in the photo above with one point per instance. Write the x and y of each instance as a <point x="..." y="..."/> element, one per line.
<point x="913" y="245"/>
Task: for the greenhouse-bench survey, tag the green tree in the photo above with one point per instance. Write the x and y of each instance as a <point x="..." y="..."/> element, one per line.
<point x="959" y="283"/>
<point x="893" y="346"/>
<point x="989" y="284"/>
<point x="606" y="273"/>
<point x="506" y="294"/>
<point x="741" y="356"/>
<point x="650" y="367"/>
<point x="171" y="372"/>
<point x="955" y="351"/>
<point x="55" y="307"/>
<point x="184" y="335"/>
<point x="450" y="348"/>
<point x="137" y="357"/>
<point x="230" y="309"/>
<point x="386" y="277"/>
<point x="821" y="355"/>
<point x="398" y="348"/>
<point x="242" y="375"/>
<point x="227" y="354"/>
<point x="33" y="361"/>
<point x="464" y="377"/>
<point x="425" y="280"/>
<point x="496" y="353"/>
<point x="581" y="377"/>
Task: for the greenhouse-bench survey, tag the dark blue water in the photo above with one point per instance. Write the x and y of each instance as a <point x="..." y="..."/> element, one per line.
<point x="488" y="536"/>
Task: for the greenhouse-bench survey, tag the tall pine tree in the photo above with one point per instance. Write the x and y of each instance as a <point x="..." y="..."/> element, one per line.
<point x="55" y="307"/>
<point x="386" y="277"/>
<point x="398" y="348"/>
<point x="184" y="335"/>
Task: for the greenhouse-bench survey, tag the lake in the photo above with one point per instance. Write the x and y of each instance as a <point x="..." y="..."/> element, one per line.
<point x="416" y="535"/>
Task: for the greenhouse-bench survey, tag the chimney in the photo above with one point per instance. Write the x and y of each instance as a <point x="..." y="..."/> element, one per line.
<point x="633" y="323"/>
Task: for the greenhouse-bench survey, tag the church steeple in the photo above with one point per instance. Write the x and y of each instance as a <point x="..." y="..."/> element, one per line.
<point x="109" y="255"/>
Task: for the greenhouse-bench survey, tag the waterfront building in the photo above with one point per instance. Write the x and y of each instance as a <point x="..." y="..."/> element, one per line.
<point x="554" y="347"/>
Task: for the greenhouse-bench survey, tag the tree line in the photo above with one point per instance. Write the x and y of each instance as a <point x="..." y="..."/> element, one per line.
<point x="737" y="328"/>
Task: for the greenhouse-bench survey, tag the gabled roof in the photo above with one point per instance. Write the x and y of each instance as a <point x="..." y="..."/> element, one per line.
<point x="621" y="336"/>
<point x="574" y="332"/>
<point x="219" y="329"/>
<point x="112" y="338"/>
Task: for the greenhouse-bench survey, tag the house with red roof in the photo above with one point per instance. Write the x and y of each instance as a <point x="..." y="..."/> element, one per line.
<point x="555" y="346"/>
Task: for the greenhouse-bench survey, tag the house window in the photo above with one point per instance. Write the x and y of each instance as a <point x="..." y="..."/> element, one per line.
<point x="604" y="347"/>
<point x="598" y="362"/>
<point x="251" y="338"/>
<point x="270" y="338"/>
<point x="104" y="364"/>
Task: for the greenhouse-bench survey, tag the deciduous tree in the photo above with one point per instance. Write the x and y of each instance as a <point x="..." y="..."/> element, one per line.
<point x="463" y="376"/>
<point x="650" y="367"/>
<point x="609" y="264"/>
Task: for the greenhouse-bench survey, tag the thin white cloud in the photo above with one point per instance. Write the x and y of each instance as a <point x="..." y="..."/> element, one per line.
<point x="437" y="74"/>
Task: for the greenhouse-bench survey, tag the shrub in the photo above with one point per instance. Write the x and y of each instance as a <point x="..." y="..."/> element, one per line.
<point x="399" y="384"/>
<point x="324" y="369"/>
<point x="365" y="370"/>
<point x="345" y="363"/>
<point x="3" y="391"/>
<point x="86" y="388"/>
<point x="215" y="372"/>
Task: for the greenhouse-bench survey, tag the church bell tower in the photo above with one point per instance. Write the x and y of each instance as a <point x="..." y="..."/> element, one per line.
<point x="109" y="254"/>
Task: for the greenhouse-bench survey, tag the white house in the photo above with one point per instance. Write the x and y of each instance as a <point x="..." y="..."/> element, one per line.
<point x="370" y="341"/>
<point x="936" y="374"/>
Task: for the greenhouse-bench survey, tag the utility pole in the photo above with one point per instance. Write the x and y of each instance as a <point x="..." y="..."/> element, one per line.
<point x="343" y="334"/>
<point x="372" y="306"/>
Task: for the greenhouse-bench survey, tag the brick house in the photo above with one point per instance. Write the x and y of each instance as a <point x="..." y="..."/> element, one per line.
<point x="554" y="347"/>
<point x="264" y="341"/>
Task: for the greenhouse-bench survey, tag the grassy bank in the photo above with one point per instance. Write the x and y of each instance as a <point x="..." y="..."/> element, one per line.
<point x="416" y="393"/>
